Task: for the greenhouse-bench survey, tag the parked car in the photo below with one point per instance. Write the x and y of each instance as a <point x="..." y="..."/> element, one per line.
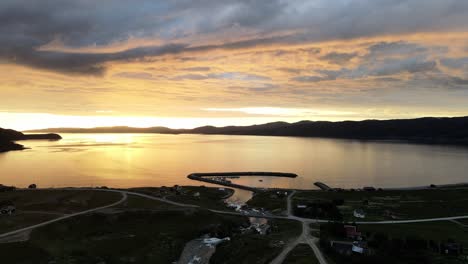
<point x="7" y="207"/>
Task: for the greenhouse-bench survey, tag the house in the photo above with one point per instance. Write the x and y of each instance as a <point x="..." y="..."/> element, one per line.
<point x="359" y="247"/>
<point x="7" y="207"/>
<point x="197" y="194"/>
<point x="451" y="248"/>
<point x="342" y="247"/>
<point x="281" y="194"/>
<point x="390" y="214"/>
<point x="215" y="241"/>
<point x="351" y="232"/>
<point x="359" y="213"/>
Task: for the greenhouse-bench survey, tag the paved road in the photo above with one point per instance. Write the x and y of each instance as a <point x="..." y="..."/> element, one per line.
<point x="124" y="197"/>
<point x="293" y="243"/>
<point x="305" y="237"/>
<point x="252" y="214"/>
<point x="312" y="241"/>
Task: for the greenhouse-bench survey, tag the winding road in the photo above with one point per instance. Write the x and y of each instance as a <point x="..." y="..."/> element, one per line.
<point x="124" y="198"/>
<point x="305" y="236"/>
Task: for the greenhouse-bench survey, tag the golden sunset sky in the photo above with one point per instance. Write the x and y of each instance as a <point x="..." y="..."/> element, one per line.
<point x="184" y="64"/>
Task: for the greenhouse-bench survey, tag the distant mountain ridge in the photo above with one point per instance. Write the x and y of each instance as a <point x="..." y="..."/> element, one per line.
<point x="8" y="136"/>
<point x="451" y="130"/>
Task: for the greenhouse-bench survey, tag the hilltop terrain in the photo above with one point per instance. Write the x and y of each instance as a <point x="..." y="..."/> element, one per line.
<point x="8" y="136"/>
<point x="452" y="130"/>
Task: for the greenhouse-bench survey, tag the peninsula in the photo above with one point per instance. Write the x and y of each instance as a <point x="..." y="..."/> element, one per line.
<point x="9" y="136"/>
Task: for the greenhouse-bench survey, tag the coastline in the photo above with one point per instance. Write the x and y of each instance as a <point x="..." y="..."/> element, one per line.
<point x="8" y="138"/>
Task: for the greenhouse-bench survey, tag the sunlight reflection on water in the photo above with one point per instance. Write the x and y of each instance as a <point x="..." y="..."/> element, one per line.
<point x="130" y="160"/>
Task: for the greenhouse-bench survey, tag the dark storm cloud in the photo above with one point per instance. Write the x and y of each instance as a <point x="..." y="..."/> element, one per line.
<point x="81" y="63"/>
<point x="26" y="25"/>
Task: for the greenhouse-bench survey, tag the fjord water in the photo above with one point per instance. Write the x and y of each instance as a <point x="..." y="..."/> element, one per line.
<point x="130" y="160"/>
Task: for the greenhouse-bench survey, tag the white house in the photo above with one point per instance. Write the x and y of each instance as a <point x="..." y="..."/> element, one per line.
<point x="359" y="213"/>
<point x="358" y="247"/>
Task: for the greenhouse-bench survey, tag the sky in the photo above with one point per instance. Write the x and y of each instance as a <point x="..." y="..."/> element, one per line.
<point x="182" y="64"/>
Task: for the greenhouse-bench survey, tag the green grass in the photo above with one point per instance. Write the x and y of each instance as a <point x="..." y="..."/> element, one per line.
<point x="141" y="203"/>
<point x="413" y="204"/>
<point x="255" y="248"/>
<point x="21" y="220"/>
<point x="55" y="201"/>
<point x="209" y="197"/>
<point x="137" y="236"/>
<point x="301" y="254"/>
<point x="139" y="230"/>
<point x="269" y="201"/>
<point x="61" y="201"/>
<point x="438" y="231"/>
<point x="463" y="221"/>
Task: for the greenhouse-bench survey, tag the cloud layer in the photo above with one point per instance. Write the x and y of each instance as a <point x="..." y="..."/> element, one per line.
<point x="196" y="26"/>
<point x="365" y="58"/>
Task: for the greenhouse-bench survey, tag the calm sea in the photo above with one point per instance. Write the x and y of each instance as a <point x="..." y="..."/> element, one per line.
<point x="129" y="160"/>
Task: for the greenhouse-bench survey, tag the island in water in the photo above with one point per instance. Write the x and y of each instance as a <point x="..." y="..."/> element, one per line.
<point x="8" y="137"/>
<point x="437" y="130"/>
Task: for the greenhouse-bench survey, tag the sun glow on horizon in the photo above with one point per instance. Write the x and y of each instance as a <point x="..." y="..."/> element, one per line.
<point x="31" y="121"/>
<point x="240" y="117"/>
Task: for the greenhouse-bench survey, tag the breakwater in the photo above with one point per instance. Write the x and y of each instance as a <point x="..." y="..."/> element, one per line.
<point x="202" y="176"/>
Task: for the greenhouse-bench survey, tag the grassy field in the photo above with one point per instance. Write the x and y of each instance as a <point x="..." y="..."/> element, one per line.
<point x="146" y="231"/>
<point x="123" y="237"/>
<point x="441" y="231"/>
<point x="269" y="201"/>
<point x="463" y="221"/>
<point x="36" y="206"/>
<point x="21" y="220"/>
<point x="388" y="205"/>
<point x="301" y="254"/>
<point x="438" y="231"/>
<point x="208" y="197"/>
<point x="140" y="203"/>
<point x="255" y="248"/>
<point x="60" y="201"/>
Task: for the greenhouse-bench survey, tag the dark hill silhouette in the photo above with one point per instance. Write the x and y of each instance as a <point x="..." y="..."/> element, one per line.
<point x="8" y="136"/>
<point x="445" y="130"/>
